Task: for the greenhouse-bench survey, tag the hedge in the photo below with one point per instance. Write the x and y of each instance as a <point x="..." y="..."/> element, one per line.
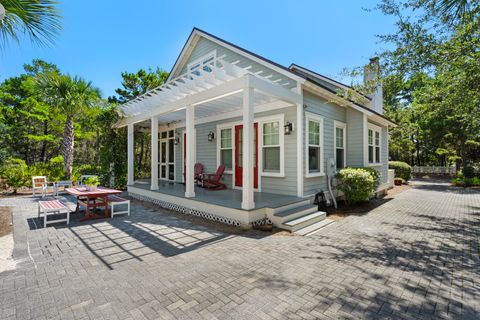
<point x="402" y="169"/>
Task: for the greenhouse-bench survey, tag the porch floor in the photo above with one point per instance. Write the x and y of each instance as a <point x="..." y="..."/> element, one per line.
<point x="230" y="198"/>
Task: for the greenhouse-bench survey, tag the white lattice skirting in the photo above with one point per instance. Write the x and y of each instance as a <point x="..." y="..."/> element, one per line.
<point x="195" y="212"/>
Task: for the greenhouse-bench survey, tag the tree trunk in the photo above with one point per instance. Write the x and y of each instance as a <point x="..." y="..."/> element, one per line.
<point x="67" y="147"/>
<point x="44" y="143"/>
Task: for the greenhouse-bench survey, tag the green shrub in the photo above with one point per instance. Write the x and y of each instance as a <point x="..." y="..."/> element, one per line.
<point x="466" y="182"/>
<point x="92" y="181"/>
<point x="375" y="174"/>
<point x="468" y="172"/>
<point x="14" y="173"/>
<point x="402" y="169"/>
<point x="357" y="184"/>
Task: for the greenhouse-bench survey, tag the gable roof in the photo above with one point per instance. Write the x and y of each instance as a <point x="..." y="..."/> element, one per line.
<point x="196" y="33"/>
<point x="326" y="81"/>
<point x="294" y="71"/>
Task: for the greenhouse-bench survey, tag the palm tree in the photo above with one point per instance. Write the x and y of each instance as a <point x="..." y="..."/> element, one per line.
<point x="72" y="96"/>
<point x="456" y="10"/>
<point x="38" y="19"/>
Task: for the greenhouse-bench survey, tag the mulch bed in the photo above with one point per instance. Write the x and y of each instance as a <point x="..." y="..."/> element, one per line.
<point x="5" y="221"/>
<point x="344" y="211"/>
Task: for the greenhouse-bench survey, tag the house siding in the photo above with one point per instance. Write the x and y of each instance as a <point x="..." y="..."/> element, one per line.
<point x="355" y="138"/>
<point x="206" y="153"/>
<point x="330" y="113"/>
<point x="205" y="46"/>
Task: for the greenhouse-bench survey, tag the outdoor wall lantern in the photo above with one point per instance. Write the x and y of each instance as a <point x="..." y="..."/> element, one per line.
<point x="211" y="136"/>
<point x="176" y="141"/>
<point x="288" y="128"/>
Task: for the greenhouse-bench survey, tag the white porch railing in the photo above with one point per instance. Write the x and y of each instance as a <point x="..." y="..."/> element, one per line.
<point x="434" y="170"/>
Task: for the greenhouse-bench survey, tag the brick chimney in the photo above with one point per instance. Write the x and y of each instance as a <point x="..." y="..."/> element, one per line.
<point x="371" y="77"/>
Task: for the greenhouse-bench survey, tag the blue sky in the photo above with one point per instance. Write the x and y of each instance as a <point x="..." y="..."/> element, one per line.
<point x="100" y="39"/>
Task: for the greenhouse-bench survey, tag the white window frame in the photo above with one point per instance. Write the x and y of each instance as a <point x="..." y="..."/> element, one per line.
<point x="201" y="61"/>
<point x="277" y="117"/>
<point x="374" y="129"/>
<point x="219" y="145"/>
<point x="317" y="118"/>
<point x="342" y="125"/>
<point x="281" y="140"/>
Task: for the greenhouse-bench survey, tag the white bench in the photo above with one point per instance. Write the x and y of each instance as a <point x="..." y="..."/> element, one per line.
<point x="114" y="201"/>
<point x="52" y="207"/>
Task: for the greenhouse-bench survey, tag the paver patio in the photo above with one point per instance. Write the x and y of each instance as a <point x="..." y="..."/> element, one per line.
<point x="416" y="256"/>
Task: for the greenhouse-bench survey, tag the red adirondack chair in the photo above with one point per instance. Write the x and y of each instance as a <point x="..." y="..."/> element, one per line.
<point x="212" y="181"/>
<point x="197" y="173"/>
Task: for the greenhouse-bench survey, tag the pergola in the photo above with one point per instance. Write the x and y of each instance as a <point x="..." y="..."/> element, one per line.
<point x="222" y="88"/>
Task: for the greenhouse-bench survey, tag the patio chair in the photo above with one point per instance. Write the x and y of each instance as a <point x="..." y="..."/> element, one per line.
<point x="212" y="181"/>
<point x="197" y="173"/>
<point x="40" y="183"/>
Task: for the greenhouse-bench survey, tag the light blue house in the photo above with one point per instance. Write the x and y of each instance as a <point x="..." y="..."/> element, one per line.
<point x="280" y="133"/>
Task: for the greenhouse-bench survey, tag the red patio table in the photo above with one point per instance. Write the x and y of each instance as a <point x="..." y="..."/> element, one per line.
<point x="91" y="200"/>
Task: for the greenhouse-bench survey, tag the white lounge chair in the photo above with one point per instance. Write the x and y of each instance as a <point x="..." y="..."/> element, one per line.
<point x="40" y="183"/>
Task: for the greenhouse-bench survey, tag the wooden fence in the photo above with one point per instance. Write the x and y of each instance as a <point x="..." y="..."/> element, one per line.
<point x="434" y="170"/>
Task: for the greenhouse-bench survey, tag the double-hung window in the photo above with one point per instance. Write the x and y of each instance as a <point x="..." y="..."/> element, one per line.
<point x="374" y="144"/>
<point x="226" y="148"/>
<point x="271" y="147"/>
<point x="314" y="145"/>
<point x="205" y="63"/>
<point x="340" y="144"/>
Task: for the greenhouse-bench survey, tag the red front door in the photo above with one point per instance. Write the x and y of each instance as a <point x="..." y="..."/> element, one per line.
<point x="239" y="156"/>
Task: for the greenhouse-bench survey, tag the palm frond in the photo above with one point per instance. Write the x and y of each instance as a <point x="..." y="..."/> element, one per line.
<point x="38" y="19"/>
<point x="455" y="10"/>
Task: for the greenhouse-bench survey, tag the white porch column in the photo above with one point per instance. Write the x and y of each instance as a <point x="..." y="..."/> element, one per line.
<point x="189" y="156"/>
<point x="154" y="154"/>
<point x="130" y="150"/>
<point x="300" y="149"/>
<point x="248" y="139"/>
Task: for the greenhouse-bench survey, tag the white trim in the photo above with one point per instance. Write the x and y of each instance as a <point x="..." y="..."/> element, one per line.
<point x="375" y="129"/>
<point x="309" y="116"/>
<point x="192" y="40"/>
<point x="221" y="127"/>
<point x="167" y="129"/>
<point x="201" y="60"/>
<point x="184" y="131"/>
<point x="276" y="117"/>
<point x="280" y="118"/>
<point x="342" y="125"/>
<point x="300" y="131"/>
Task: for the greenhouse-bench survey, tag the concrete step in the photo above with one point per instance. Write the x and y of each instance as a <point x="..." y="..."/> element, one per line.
<point x="313" y="228"/>
<point x="291" y="206"/>
<point x="304" y="220"/>
<point x="295" y="212"/>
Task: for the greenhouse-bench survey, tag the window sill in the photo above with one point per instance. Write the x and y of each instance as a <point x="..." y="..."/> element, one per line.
<point x="272" y="174"/>
<point x="375" y="164"/>
<point x="315" y="175"/>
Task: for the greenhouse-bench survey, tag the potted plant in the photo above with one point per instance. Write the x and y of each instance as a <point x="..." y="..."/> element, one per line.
<point x="92" y="183"/>
<point x="398" y="181"/>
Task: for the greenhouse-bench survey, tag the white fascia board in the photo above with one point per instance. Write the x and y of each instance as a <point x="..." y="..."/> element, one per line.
<point x="333" y="97"/>
<point x="382" y="121"/>
<point x="222" y="90"/>
<point x="194" y="38"/>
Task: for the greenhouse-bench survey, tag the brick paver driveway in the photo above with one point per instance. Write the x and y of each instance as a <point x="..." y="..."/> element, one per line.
<point x="416" y="256"/>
